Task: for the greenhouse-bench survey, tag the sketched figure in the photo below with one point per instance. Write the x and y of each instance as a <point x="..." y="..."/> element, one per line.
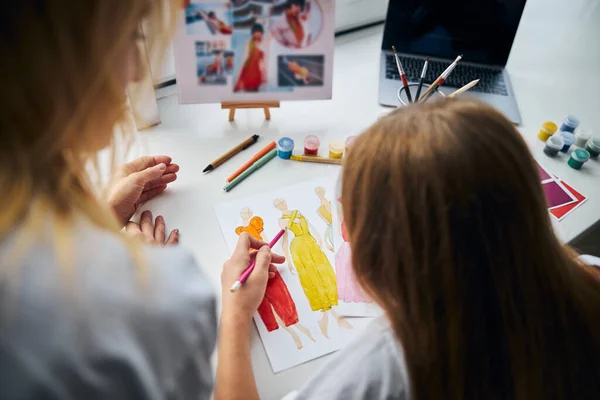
<point x="324" y="211"/>
<point x="215" y="24"/>
<point x="277" y="307"/>
<point x="348" y="288"/>
<point x="305" y="255"/>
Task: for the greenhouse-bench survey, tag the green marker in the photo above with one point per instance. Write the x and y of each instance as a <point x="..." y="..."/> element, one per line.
<point x="261" y="161"/>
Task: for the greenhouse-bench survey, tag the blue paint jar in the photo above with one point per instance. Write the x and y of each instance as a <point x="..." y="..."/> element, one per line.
<point x="570" y="124"/>
<point x="553" y="145"/>
<point x="285" y="146"/>
<point x="569" y="139"/>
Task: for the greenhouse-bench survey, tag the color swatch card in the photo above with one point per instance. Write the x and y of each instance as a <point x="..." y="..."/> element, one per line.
<point x="562" y="199"/>
<point x="254" y="50"/>
<point x="300" y="317"/>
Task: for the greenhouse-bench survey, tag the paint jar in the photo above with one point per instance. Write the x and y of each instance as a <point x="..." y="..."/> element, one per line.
<point x="578" y="158"/>
<point x="311" y="145"/>
<point x="593" y="146"/>
<point x="581" y="137"/>
<point x="548" y="129"/>
<point x="285" y="146"/>
<point x="336" y="149"/>
<point x="349" y="141"/>
<point x="553" y="145"/>
<point x="569" y="140"/>
<point x="570" y="124"/>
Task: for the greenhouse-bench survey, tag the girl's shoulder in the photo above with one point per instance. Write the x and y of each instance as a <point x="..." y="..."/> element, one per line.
<point x="370" y="367"/>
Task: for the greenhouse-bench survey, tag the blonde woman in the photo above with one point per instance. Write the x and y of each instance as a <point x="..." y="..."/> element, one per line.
<point x="85" y="311"/>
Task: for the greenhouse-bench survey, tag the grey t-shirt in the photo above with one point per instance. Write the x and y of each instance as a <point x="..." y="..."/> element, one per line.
<point x="371" y="367"/>
<point x="104" y="327"/>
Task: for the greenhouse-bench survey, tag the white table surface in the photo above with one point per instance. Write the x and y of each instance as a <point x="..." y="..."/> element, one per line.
<point x="554" y="68"/>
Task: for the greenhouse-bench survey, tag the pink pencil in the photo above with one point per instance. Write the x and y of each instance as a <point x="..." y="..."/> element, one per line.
<point x="244" y="276"/>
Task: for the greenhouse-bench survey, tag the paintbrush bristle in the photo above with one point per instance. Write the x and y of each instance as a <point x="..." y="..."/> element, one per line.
<point x="427" y="58"/>
<point x="394" y="48"/>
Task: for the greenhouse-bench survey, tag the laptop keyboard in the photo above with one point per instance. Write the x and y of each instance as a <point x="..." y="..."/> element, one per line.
<point x="491" y="79"/>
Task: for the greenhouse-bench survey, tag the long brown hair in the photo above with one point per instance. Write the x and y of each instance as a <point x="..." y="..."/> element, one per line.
<point x="62" y="100"/>
<point x="451" y="236"/>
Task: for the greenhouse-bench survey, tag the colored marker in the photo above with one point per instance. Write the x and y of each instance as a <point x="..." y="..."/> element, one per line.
<point x="240" y="147"/>
<point x="317" y="159"/>
<point x="422" y="79"/>
<point x="262" y="161"/>
<point x="244" y="276"/>
<point x="254" y="159"/>
<point x="402" y="75"/>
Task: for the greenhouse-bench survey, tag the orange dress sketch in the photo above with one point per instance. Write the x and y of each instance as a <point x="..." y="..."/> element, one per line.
<point x="316" y="275"/>
<point x="251" y="76"/>
<point x="223" y="28"/>
<point x="277" y="297"/>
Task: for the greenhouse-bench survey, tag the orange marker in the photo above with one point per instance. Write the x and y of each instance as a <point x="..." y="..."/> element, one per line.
<point x="254" y="158"/>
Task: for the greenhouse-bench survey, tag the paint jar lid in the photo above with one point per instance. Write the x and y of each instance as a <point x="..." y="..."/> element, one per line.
<point x="584" y="133"/>
<point x="568" y="138"/>
<point x="336" y="146"/>
<point x="549" y="126"/>
<point x="285" y="144"/>
<point x="594" y="143"/>
<point x="311" y="142"/>
<point x="571" y="121"/>
<point x="350" y="140"/>
<point x="580" y="155"/>
<point x="555" y="142"/>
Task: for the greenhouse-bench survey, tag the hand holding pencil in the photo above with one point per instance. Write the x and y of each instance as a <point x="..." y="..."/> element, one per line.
<point x="242" y="304"/>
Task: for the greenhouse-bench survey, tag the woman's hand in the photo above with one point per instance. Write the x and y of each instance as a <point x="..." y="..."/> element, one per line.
<point x="241" y="305"/>
<point x="153" y="233"/>
<point x="139" y="181"/>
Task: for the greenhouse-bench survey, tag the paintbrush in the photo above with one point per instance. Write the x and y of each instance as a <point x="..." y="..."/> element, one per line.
<point x="440" y="79"/>
<point x="464" y="88"/>
<point x="402" y="75"/>
<point x="423" y="73"/>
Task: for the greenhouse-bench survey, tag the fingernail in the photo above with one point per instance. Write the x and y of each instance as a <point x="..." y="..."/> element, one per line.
<point x="266" y="248"/>
<point x="177" y="231"/>
<point x="162" y="166"/>
<point x="160" y="217"/>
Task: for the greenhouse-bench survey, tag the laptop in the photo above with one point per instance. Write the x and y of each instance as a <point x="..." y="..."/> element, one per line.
<point x="481" y="30"/>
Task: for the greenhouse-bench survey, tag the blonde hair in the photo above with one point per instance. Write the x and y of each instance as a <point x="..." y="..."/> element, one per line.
<point x="62" y="100"/>
<point x="455" y="243"/>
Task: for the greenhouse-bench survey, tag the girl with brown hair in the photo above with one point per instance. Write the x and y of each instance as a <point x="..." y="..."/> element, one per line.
<point x="452" y="238"/>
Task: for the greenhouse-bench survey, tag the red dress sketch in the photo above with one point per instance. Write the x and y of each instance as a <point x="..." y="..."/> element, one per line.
<point x="251" y="76"/>
<point x="277" y="307"/>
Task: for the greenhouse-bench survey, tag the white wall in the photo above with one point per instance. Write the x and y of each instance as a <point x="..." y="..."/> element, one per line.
<point x="348" y="14"/>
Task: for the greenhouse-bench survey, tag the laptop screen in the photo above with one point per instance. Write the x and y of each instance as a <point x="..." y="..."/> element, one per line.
<point x="482" y="30"/>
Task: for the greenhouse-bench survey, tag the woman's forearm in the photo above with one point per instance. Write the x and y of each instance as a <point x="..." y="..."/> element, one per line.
<point x="235" y="378"/>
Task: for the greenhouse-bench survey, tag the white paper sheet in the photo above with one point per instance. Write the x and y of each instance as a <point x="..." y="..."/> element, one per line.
<point x="254" y="50"/>
<point x="280" y="345"/>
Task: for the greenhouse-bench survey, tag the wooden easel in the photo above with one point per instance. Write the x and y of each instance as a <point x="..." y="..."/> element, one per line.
<point x="232" y="106"/>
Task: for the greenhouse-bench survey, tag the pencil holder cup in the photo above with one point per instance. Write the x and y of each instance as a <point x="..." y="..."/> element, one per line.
<point x="413" y="87"/>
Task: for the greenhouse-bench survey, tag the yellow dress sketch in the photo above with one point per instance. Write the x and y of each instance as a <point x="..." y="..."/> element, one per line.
<point x="314" y="270"/>
<point x="305" y="255"/>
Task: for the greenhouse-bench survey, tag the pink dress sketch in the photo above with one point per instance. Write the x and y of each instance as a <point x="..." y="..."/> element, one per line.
<point x="348" y="288"/>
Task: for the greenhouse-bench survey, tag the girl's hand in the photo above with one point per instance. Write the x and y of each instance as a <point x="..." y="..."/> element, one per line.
<point x="139" y="181"/>
<point x="153" y="233"/>
<point x="242" y="304"/>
